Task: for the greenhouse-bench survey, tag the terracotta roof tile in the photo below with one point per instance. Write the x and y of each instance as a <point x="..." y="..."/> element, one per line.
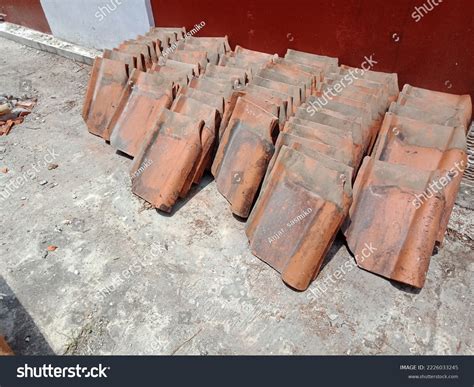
<point x="384" y="215"/>
<point x="243" y="155"/>
<point x="166" y="159"/>
<point x="141" y="103"/>
<point x="108" y="80"/>
<point x="298" y="215"/>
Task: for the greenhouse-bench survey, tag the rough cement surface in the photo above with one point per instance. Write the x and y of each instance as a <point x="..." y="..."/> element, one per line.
<point x="46" y="42"/>
<point x="186" y="283"/>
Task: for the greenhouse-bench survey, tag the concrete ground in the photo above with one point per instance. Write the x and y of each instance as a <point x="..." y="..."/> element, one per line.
<point x="128" y="280"/>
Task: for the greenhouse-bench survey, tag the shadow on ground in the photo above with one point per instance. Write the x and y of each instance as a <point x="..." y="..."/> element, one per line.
<point x="19" y="329"/>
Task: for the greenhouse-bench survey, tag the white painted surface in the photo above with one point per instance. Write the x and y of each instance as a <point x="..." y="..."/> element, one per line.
<point x="98" y="23"/>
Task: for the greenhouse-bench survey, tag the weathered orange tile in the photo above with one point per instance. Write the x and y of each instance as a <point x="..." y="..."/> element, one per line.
<point x="329" y="135"/>
<point x="131" y="61"/>
<point x="179" y="77"/>
<point x="167" y="156"/>
<point x="268" y="104"/>
<point x="221" y="42"/>
<point x="213" y="100"/>
<point x="390" y="79"/>
<point x="211" y="117"/>
<point x="233" y="75"/>
<point x="387" y="234"/>
<point x="298" y="214"/>
<point x="310" y="147"/>
<point x="291" y="93"/>
<point x="215" y="47"/>
<point x="243" y="155"/>
<point x="137" y="49"/>
<point x="153" y="44"/>
<point x="167" y="35"/>
<point x="275" y="75"/>
<point x="309" y="77"/>
<point x="462" y="102"/>
<point x="192" y="57"/>
<point x="340" y="121"/>
<point x="106" y="85"/>
<point x="427" y="147"/>
<point x="257" y="55"/>
<point x="461" y="110"/>
<point x="442" y="116"/>
<point x="325" y="62"/>
<point x="141" y="103"/>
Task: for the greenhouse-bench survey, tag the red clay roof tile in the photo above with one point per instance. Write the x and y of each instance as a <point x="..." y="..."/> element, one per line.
<point x="108" y="80"/>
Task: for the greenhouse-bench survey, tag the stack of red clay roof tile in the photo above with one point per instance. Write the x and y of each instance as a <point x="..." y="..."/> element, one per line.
<point x="307" y="191"/>
<point x="145" y="98"/>
<point x="404" y="193"/>
<point x="251" y="124"/>
<point x="285" y="139"/>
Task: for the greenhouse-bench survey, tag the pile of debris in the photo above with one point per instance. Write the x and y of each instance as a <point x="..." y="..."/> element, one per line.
<point x="12" y="112"/>
<point x="156" y="109"/>
<point x="284" y="153"/>
<point x="5" y="350"/>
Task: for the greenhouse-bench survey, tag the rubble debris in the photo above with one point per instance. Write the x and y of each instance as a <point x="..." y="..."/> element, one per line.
<point x="5" y="349"/>
<point x="13" y="111"/>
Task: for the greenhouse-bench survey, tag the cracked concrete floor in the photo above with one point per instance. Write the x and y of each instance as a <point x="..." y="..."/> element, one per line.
<point x="127" y="280"/>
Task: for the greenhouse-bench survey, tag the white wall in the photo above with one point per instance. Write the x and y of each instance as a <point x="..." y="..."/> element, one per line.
<point x="98" y="23"/>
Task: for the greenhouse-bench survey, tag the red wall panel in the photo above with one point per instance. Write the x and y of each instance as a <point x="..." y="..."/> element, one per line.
<point x="437" y="52"/>
<point x="28" y="13"/>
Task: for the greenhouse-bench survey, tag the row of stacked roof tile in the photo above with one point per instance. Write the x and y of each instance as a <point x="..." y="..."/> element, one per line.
<point x="405" y="192"/>
<point x="307" y="190"/>
<point x="283" y="137"/>
<point x="145" y="97"/>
